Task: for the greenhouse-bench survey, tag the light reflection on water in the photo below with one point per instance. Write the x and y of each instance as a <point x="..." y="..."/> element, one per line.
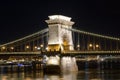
<point x="81" y="75"/>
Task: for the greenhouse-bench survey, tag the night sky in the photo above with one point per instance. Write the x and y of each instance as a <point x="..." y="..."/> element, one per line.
<point x="18" y="19"/>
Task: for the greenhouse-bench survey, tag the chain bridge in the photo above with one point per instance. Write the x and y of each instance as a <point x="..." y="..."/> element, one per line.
<point x="61" y="37"/>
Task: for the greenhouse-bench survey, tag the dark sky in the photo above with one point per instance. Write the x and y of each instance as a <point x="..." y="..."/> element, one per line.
<point x="18" y="19"/>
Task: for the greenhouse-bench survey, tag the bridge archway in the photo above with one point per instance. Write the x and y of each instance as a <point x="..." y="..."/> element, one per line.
<point x="65" y="43"/>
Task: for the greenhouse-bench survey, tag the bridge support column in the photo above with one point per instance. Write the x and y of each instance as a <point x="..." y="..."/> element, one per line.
<point x="68" y="64"/>
<point x="59" y="35"/>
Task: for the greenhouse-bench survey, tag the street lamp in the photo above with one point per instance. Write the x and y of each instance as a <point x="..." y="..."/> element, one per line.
<point x="11" y="48"/>
<point x="27" y="47"/>
<point x="38" y="48"/>
<point x="90" y="45"/>
<point x="47" y="48"/>
<point x="96" y="45"/>
<point x="35" y="47"/>
<point x="78" y="47"/>
<point x="41" y="45"/>
<point x="3" y="47"/>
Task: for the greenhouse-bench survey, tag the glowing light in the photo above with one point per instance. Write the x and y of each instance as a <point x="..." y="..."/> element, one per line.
<point x="90" y="45"/>
<point x="70" y="48"/>
<point x="38" y="48"/>
<point x="41" y="45"/>
<point x="3" y="47"/>
<point x="47" y="48"/>
<point x="102" y="59"/>
<point x="78" y="45"/>
<point x="27" y="47"/>
<point x="35" y="47"/>
<point x="12" y="48"/>
<point x="97" y="45"/>
<point x="59" y="17"/>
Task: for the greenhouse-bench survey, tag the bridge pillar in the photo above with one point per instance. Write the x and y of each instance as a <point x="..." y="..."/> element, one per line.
<point x="60" y="38"/>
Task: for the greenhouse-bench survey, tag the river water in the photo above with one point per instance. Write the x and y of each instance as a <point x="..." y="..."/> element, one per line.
<point x="87" y="74"/>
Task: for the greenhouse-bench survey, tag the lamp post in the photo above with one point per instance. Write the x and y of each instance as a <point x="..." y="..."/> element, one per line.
<point x="97" y="47"/>
<point x="35" y="48"/>
<point x="78" y="47"/>
<point x="90" y="46"/>
<point x="41" y="47"/>
<point x="3" y="48"/>
<point x="27" y="48"/>
<point x="12" y="48"/>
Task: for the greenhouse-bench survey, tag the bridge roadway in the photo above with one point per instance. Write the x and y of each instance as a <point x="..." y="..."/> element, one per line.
<point x="19" y="53"/>
<point x="92" y="52"/>
<point x="64" y="53"/>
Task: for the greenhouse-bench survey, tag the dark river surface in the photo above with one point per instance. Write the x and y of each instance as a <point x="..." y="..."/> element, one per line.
<point x="87" y="74"/>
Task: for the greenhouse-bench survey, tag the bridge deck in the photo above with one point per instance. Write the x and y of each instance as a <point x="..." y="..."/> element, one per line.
<point x="19" y="53"/>
<point x="88" y="52"/>
<point x="92" y="52"/>
<point x="63" y="53"/>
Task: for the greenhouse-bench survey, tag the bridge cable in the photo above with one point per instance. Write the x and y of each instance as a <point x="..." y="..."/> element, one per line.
<point x="93" y="34"/>
<point x="39" y="32"/>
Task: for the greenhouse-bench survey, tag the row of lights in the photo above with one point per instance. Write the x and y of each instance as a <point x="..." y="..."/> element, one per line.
<point x="38" y="48"/>
<point x="90" y="45"/>
<point x="5" y="47"/>
<point x="27" y="47"/>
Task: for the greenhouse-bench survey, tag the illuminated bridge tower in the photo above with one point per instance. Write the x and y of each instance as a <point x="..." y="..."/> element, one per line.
<point x="59" y="35"/>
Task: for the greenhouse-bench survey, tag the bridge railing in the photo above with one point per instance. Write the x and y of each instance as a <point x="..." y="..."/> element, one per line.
<point x="21" y="53"/>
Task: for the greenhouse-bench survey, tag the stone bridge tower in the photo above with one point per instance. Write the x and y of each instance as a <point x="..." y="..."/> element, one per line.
<point x="60" y="38"/>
